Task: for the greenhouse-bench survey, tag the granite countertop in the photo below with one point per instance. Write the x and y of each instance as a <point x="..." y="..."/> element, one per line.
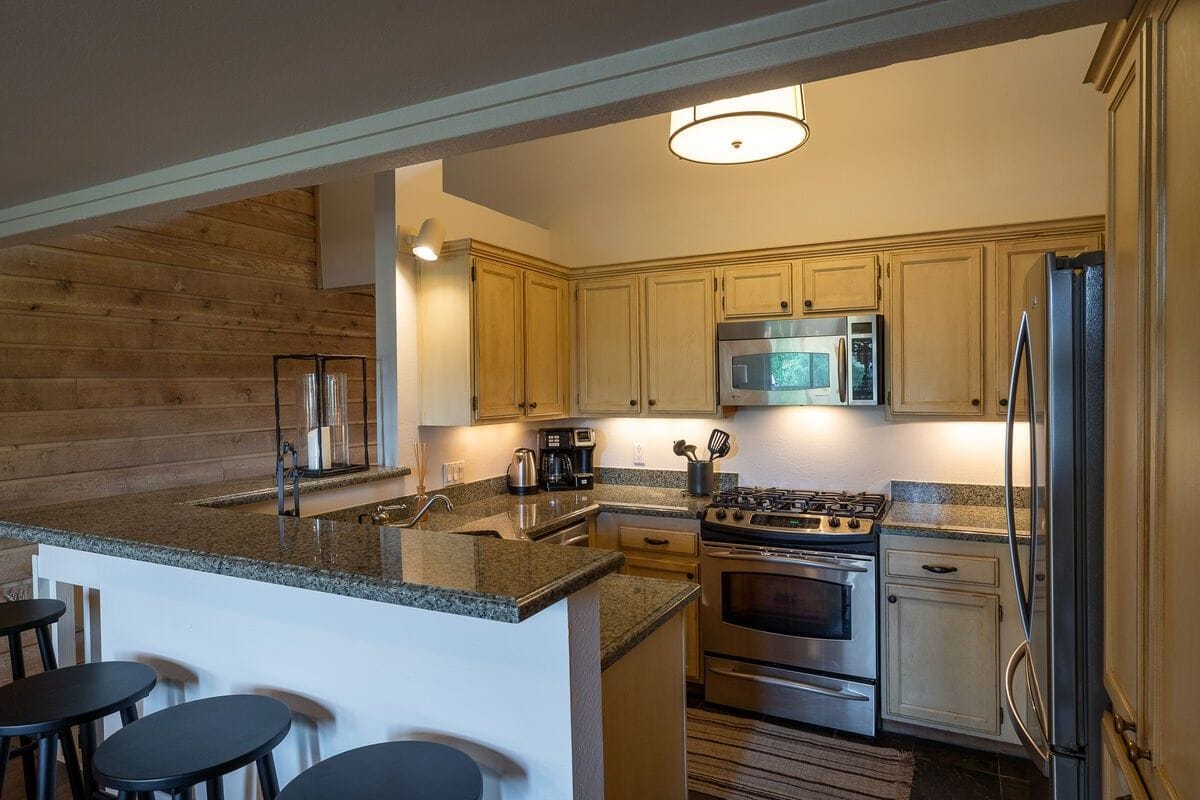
<point x="976" y="523"/>
<point x="471" y="576"/>
<point x="632" y="608"/>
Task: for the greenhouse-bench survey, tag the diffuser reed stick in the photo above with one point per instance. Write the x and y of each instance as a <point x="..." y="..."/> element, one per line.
<point x="421" y="456"/>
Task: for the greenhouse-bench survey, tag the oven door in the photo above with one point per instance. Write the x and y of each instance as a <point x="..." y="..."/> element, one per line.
<point x="802" y="370"/>
<point x="792" y="607"/>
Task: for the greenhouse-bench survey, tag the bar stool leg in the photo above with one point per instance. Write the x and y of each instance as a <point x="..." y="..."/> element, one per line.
<point x="87" y="746"/>
<point x="71" y="757"/>
<point x="129" y="715"/>
<point x="16" y="657"/>
<point x="214" y="788"/>
<point x="49" y="662"/>
<point x="268" y="781"/>
<point x="47" y="767"/>
<point x="5" y="749"/>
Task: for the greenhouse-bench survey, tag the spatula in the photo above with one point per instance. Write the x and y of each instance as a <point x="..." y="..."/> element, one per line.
<point x="718" y="440"/>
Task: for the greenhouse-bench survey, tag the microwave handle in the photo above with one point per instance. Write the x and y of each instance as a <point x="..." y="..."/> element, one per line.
<point x="842" y="377"/>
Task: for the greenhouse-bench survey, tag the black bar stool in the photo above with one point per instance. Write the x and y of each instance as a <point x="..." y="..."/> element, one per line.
<point x="395" y="770"/>
<point x="17" y="617"/>
<point x="192" y="743"/>
<point x="48" y="705"/>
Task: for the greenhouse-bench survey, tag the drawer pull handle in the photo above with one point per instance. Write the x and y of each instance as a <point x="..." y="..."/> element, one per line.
<point x="938" y="569"/>
<point x="648" y="540"/>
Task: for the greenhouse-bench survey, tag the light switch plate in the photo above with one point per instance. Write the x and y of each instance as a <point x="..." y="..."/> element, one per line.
<point x="639" y="455"/>
<point x="453" y="472"/>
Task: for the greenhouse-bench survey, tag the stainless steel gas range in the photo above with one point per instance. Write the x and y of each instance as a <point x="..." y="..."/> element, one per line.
<point x="788" y="613"/>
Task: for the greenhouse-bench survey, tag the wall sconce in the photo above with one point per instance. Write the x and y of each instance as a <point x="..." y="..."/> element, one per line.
<point x="427" y="245"/>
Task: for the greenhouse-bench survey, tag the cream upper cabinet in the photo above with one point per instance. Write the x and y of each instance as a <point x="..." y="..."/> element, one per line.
<point x="547" y="346"/>
<point x="1014" y="259"/>
<point x="492" y="338"/>
<point x="1148" y="69"/>
<point x="847" y="283"/>
<point x="609" y="364"/>
<point x="680" y="339"/>
<point x="943" y="657"/>
<point x="499" y="341"/>
<point x="935" y="335"/>
<point x="757" y="290"/>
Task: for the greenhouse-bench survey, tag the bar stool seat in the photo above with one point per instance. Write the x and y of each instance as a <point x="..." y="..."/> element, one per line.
<point x="48" y="705"/>
<point x="396" y="770"/>
<point x="193" y="743"/>
<point x="18" y="616"/>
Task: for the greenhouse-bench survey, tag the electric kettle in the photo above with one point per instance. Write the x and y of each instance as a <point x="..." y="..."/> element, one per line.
<point x="522" y="472"/>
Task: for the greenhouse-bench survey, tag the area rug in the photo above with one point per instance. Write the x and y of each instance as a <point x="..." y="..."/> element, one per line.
<point x="732" y="758"/>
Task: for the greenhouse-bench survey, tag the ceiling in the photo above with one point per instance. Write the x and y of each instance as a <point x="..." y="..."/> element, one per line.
<point x="111" y="107"/>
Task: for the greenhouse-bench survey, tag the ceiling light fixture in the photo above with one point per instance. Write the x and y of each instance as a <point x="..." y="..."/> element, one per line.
<point x="740" y="130"/>
<point x="427" y="246"/>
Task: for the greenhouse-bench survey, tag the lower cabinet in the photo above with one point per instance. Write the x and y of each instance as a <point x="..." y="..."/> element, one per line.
<point x="959" y="686"/>
<point x="946" y="635"/>
<point x="664" y="548"/>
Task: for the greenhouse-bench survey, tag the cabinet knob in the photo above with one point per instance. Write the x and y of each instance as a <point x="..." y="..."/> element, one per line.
<point x="633" y="402"/>
<point x="783" y="304"/>
<point x="520" y="405"/>
<point x="691" y="576"/>
<point x="651" y="401"/>
<point x="533" y="405"/>
<point x="1004" y="402"/>
<point x="975" y="401"/>
<point x="808" y="303"/>
<point x="891" y="598"/>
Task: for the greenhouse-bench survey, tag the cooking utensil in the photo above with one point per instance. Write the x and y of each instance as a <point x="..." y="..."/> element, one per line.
<point x="717" y="440"/>
<point x="690" y="449"/>
<point x="720" y="452"/>
<point x="678" y="449"/>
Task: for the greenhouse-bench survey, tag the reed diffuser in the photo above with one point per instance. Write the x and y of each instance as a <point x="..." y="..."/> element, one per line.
<point x="421" y="456"/>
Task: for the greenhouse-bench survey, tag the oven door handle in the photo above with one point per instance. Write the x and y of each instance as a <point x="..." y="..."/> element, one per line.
<point x="840" y="694"/>
<point x="795" y="562"/>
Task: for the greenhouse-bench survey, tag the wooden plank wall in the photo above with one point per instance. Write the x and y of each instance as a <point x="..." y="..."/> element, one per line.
<point x="139" y="357"/>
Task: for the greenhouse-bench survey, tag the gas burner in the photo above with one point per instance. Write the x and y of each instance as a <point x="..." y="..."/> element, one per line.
<point x="862" y="505"/>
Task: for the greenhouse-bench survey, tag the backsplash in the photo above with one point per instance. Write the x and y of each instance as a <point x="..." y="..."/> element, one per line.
<point x="960" y="494"/>
<point x="661" y="478"/>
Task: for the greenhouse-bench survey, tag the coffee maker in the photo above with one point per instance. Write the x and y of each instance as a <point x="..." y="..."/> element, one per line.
<point x="565" y="458"/>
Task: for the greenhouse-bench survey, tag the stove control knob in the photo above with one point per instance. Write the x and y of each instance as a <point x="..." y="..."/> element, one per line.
<point x="738" y="516"/>
<point x="721" y="514"/>
<point x="835" y="521"/>
<point x="853" y="523"/>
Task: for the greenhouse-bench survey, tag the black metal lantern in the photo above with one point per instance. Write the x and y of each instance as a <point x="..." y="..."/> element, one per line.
<point x="322" y="441"/>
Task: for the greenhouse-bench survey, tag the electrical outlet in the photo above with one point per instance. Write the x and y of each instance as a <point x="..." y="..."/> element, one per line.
<point x="639" y="454"/>
<point x="453" y="472"/>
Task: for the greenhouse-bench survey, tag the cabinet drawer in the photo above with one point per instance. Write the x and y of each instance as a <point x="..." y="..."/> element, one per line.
<point x="977" y="570"/>
<point x="631" y="537"/>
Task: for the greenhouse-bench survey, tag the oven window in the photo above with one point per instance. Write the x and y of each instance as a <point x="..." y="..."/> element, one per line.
<point x="786" y="605"/>
<point x="781" y="372"/>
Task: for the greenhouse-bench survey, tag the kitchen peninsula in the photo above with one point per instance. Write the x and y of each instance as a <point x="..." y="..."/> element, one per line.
<point x="369" y="632"/>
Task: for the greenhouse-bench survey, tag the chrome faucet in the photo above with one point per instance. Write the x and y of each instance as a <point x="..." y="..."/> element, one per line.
<point x="382" y="514"/>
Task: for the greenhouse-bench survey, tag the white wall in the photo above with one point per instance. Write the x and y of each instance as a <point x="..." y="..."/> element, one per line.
<point x="1000" y="134"/>
<point x="819" y="447"/>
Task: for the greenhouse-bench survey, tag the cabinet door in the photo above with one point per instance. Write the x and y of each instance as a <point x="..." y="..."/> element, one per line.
<point x="1013" y="262"/>
<point x="1125" y="397"/>
<point x="676" y="571"/>
<point x="757" y="290"/>
<point x="681" y="342"/>
<point x="499" y="341"/>
<point x="850" y="283"/>
<point x="547" y="346"/>
<point x="936" y="332"/>
<point x="609" y="365"/>
<point x="1118" y="778"/>
<point x="943" y="659"/>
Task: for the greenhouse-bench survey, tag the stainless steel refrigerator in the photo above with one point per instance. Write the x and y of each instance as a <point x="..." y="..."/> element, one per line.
<point x="1058" y="369"/>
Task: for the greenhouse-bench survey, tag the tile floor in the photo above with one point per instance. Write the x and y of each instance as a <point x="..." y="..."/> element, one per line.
<point x="943" y="772"/>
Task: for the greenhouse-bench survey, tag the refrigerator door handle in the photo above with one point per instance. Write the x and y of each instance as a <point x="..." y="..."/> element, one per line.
<point x="1021" y="353"/>
<point x="1040" y="755"/>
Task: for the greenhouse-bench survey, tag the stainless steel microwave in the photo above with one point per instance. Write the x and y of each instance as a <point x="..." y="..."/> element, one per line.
<point x="821" y="361"/>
